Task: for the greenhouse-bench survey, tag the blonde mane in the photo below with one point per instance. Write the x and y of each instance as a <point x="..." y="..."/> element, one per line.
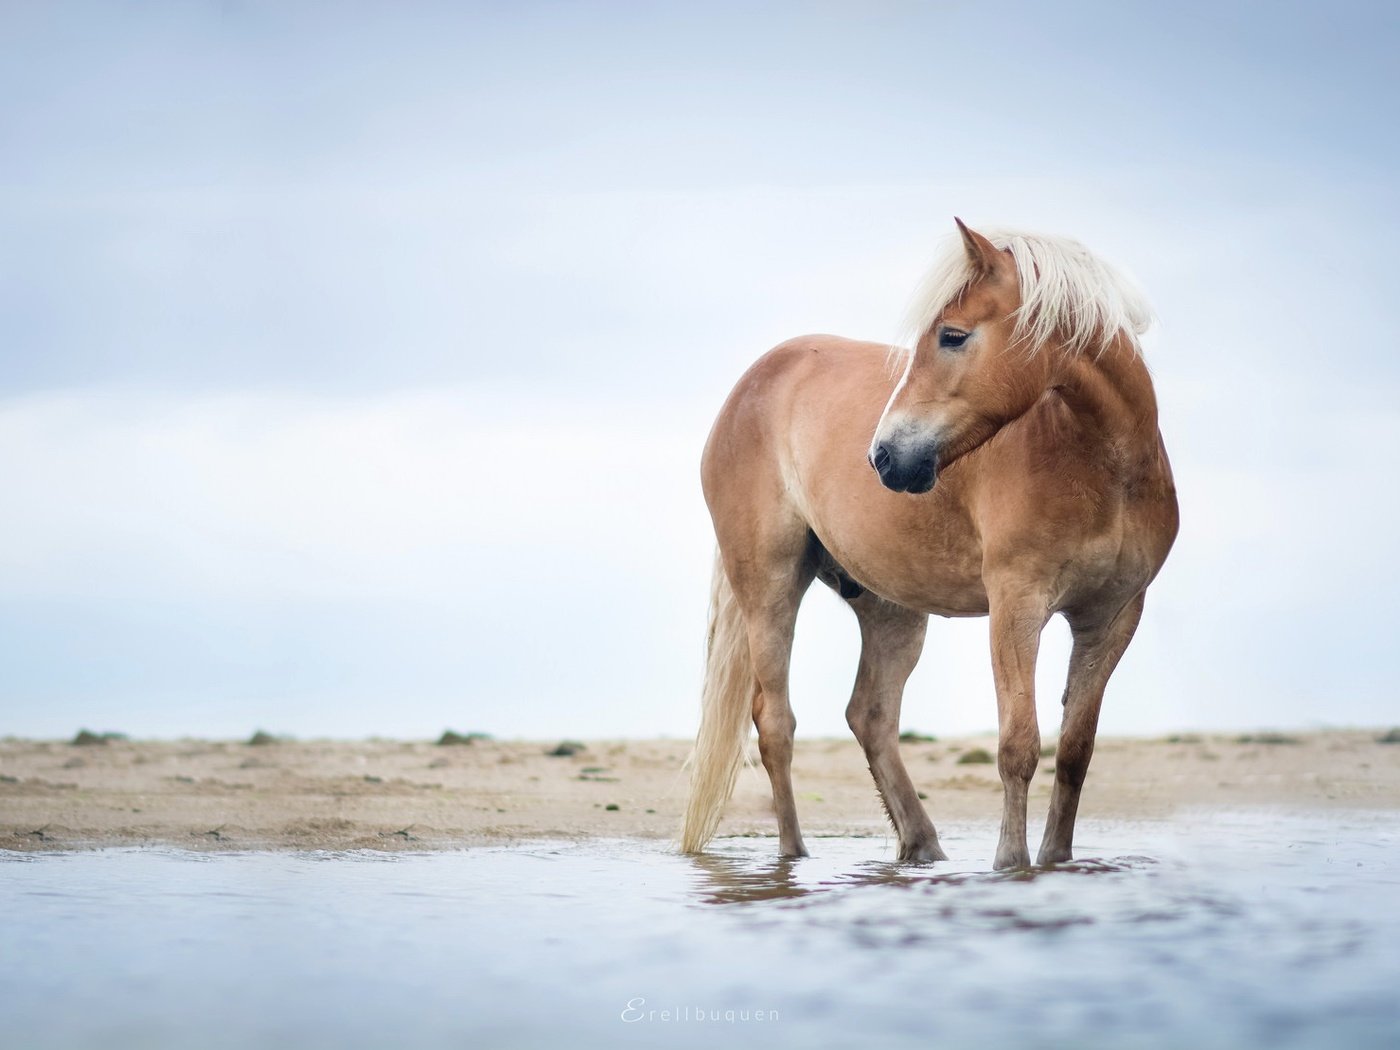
<point x="1064" y="288"/>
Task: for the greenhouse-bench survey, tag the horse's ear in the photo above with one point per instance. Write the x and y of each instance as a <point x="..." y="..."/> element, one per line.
<point x="981" y="253"/>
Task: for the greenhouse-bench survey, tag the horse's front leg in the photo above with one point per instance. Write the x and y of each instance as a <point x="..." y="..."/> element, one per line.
<point x="1017" y="618"/>
<point x="1098" y="646"/>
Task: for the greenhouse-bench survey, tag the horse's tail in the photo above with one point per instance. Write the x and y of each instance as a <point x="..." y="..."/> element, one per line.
<point x="726" y="712"/>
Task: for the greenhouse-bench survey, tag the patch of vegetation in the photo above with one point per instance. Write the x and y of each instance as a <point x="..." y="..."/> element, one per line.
<point x="613" y="806"/>
<point x="1184" y="738"/>
<point x="452" y="738"/>
<point x="1047" y="750"/>
<point x="566" y="748"/>
<point x="1267" y="738"/>
<point x="87" y="738"/>
<point x="909" y="736"/>
<point x="1393" y="737"/>
<point x="978" y="756"/>
<point x="263" y="739"/>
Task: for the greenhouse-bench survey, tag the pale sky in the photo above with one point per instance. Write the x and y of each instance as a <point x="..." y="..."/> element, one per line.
<point x="357" y="359"/>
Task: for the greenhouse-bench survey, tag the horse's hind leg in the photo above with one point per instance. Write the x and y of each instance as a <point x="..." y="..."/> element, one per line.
<point x="769" y="584"/>
<point x="1097" y="649"/>
<point x="892" y="637"/>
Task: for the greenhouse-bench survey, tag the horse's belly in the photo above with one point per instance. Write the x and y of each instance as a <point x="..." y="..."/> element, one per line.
<point x="936" y="591"/>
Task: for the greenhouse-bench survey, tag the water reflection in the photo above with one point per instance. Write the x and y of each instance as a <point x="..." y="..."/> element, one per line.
<point x="724" y="878"/>
<point x="891" y="905"/>
<point x="732" y="880"/>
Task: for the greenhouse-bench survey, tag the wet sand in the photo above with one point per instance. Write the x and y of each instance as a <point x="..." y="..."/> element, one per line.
<point x="382" y="794"/>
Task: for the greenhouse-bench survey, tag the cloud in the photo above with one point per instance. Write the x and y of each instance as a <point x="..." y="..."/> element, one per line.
<point x="407" y="494"/>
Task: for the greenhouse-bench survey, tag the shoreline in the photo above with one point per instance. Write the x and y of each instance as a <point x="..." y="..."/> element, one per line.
<point x="417" y="795"/>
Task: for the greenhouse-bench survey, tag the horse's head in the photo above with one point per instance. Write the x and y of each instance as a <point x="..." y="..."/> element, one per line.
<point x="967" y="375"/>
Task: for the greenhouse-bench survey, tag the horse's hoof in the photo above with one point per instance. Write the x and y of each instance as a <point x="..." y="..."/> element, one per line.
<point x="1012" y="860"/>
<point x="921" y="852"/>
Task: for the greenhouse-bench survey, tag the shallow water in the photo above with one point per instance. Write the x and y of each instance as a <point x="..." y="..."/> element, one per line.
<point x="1214" y="930"/>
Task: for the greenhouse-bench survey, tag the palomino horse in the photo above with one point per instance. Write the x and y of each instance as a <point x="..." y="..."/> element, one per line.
<point x="1016" y="472"/>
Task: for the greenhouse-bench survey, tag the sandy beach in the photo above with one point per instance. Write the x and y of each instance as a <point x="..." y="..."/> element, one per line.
<point x="386" y="795"/>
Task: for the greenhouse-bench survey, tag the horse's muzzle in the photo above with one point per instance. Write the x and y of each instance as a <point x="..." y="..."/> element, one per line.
<point x="905" y="470"/>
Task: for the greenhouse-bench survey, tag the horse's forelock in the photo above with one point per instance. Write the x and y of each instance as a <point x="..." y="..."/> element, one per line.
<point x="1065" y="288"/>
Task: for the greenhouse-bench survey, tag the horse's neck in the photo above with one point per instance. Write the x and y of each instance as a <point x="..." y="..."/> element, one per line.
<point x="1111" y="396"/>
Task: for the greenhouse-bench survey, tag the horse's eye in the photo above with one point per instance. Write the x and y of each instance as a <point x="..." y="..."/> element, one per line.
<point x="951" y="338"/>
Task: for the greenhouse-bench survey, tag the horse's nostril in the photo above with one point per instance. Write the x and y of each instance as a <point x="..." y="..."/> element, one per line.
<point x="881" y="459"/>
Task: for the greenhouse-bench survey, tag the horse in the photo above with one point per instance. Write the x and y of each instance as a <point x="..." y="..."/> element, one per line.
<point x="1016" y="471"/>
